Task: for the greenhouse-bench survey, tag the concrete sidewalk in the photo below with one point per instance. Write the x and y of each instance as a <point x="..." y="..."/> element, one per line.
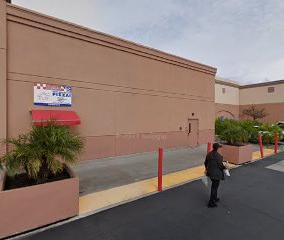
<point x="106" y="173"/>
<point x="103" y="174"/>
<point x="98" y="201"/>
<point x="250" y="208"/>
<point x="109" y="182"/>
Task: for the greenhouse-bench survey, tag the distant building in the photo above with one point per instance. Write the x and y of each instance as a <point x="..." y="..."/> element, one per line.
<point x="231" y="99"/>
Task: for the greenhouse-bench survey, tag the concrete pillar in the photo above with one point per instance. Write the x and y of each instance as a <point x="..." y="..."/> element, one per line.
<point x="3" y="74"/>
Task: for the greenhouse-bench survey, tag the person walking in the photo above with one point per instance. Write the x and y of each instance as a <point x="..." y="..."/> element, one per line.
<point x="215" y="171"/>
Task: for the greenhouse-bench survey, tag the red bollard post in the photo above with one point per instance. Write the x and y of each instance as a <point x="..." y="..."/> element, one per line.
<point x="160" y="170"/>
<point x="276" y="141"/>
<point x="209" y="147"/>
<point x="260" y="145"/>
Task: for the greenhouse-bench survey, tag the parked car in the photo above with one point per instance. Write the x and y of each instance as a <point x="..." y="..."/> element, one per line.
<point x="281" y="125"/>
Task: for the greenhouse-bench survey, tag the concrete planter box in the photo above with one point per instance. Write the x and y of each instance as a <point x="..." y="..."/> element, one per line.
<point x="31" y="207"/>
<point x="237" y="154"/>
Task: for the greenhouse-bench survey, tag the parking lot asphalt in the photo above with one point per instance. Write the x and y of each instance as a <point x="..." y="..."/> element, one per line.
<point x="251" y="207"/>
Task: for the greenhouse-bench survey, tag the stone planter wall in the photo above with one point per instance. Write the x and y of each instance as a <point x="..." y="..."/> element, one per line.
<point x="237" y="154"/>
<point x="31" y="207"/>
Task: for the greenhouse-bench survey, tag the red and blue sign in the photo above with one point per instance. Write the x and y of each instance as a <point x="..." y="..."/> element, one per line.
<point x="52" y="95"/>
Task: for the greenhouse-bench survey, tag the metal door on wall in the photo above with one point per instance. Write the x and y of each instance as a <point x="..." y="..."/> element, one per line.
<point x="192" y="132"/>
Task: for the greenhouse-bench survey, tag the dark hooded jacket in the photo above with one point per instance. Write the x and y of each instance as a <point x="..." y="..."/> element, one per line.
<point x="214" y="165"/>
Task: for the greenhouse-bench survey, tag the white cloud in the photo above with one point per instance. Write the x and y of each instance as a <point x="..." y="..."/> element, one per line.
<point x="243" y="39"/>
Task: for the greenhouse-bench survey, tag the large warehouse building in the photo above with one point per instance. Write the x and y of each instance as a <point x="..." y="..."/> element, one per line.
<point x="231" y="99"/>
<point x="127" y="98"/>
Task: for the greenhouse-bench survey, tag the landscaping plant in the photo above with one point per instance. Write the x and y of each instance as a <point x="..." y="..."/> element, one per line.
<point x="254" y="112"/>
<point x="238" y="132"/>
<point x="252" y="127"/>
<point x="232" y="132"/>
<point x="268" y="133"/>
<point x="42" y="152"/>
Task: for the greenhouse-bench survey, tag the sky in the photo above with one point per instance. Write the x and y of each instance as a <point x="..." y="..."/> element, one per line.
<point x="243" y="39"/>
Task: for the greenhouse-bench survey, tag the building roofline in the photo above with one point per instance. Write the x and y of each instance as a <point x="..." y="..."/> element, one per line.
<point x="230" y="84"/>
<point x="262" y="84"/>
<point x="121" y="41"/>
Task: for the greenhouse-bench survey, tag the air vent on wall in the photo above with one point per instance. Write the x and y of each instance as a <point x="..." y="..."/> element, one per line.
<point x="270" y="89"/>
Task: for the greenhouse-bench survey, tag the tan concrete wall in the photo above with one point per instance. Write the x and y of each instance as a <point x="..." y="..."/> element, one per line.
<point x="3" y="75"/>
<point x="227" y="104"/>
<point x="260" y="95"/>
<point x="26" y="208"/>
<point x="275" y="111"/>
<point x="227" y="111"/>
<point x="130" y="98"/>
<point x="231" y="95"/>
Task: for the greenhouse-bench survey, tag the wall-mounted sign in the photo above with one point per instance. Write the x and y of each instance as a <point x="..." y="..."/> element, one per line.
<point x="52" y="95"/>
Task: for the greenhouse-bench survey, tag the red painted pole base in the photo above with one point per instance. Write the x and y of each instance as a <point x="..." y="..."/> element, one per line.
<point x="209" y="147"/>
<point x="260" y="145"/>
<point x="160" y="169"/>
<point x="276" y="141"/>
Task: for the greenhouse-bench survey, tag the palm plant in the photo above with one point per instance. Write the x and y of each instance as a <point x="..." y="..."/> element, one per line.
<point x="43" y="151"/>
<point x="232" y="132"/>
<point x="235" y="135"/>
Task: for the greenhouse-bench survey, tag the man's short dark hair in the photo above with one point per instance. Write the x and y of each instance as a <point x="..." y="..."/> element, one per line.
<point x="216" y="146"/>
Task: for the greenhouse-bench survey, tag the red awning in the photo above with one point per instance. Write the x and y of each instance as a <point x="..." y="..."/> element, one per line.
<point x="65" y="118"/>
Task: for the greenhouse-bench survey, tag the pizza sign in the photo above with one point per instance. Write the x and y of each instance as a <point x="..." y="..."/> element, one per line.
<point x="52" y="95"/>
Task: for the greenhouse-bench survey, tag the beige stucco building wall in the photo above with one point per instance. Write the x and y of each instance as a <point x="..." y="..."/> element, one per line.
<point x="271" y="100"/>
<point x="130" y="98"/>
<point x="255" y="94"/>
<point x="235" y="98"/>
<point x="227" y="98"/>
<point x="226" y="94"/>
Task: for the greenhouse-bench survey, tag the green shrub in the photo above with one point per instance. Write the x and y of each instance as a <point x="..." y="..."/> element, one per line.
<point x="230" y="131"/>
<point x="268" y="133"/>
<point x="222" y="124"/>
<point x="234" y="134"/>
<point x="237" y="132"/>
<point x="219" y="126"/>
<point x="252" y="127"/>
<point x="42" y="151"/>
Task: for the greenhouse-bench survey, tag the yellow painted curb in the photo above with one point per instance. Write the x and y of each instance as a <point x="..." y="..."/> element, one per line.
<point x="111" y="197"/>
<point x="266" y="152"/>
